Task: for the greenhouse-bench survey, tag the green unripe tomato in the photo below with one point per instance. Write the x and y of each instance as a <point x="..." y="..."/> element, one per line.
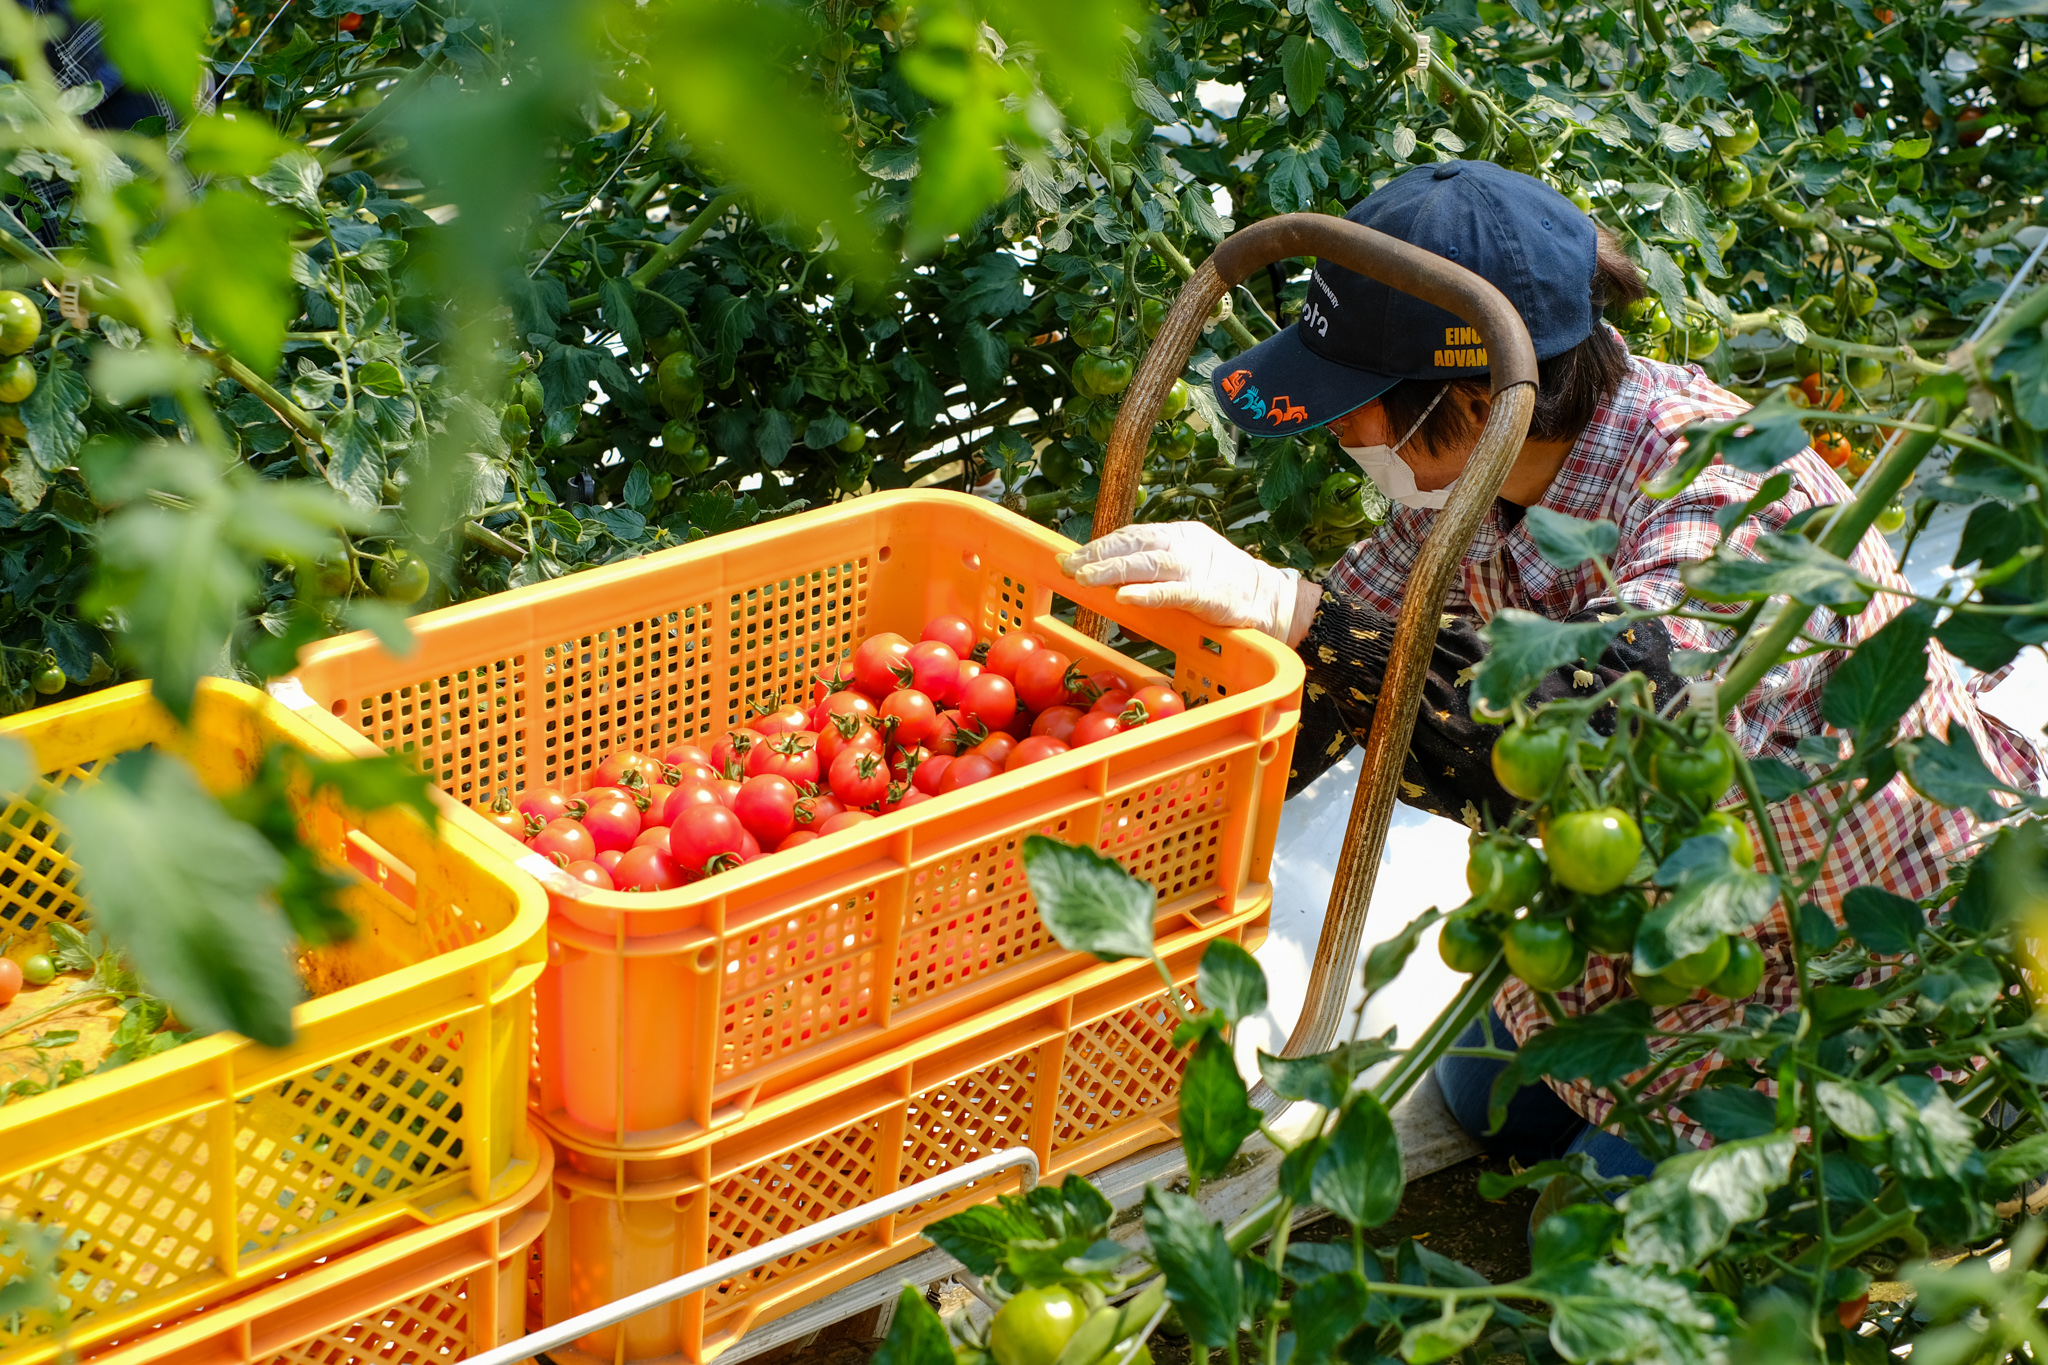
<point x="50" y="680"/>
<point x="678" y="438"/>
<point x="1647" y="314"/>
<point x="38" y="970"/>
<point x="11" y="423"/>
<point x="1033" y="1327"/>
<point x="401" y="577"/>
<point x="1702" y="339"/>
<point x="1699" y="968"/>
<point x="1744" y="972"/>
<point x="1863" y="372"/>
<point x="1101" y="422"/>
<point x="854" y="441"/>
<point x="1726" y="236"/>
<point x="1807" y="360"/>
<point x="661" y="485"/>
<point x="1528" y="758"/>
<point x="21" y="322"/>
<point x="1543" y="953"/>
<point x="1857" y="293"/>
<point x="1700" y="774"/>
<point x="1102" y="375"/>
<point x="1467" y="943"/>
<point x="665" y="345"/>
<point x="17" y="379"/>
<point x="1504" y="874"/>
<point x="1176" y="401"/>
<point x="681" y="389"/>
<point x="1607" y="924"/>
<point x="1340" y="502"/>
<point x="1743" y="137"/>
<point x="1729" y="184"/>
<point x="1592" y="851"/>
<point x="1093" y="328"/>
<point x="1176" y="443"/>
<point x="1152" y="316"/>
<point x="1658" y="991"/>
<point x="1728" y="827"/>
<point x="1579" y="197"/>
<point x="1892" y="520"/>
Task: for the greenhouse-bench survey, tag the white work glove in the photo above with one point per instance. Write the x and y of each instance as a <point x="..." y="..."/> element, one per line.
<point x="1185" y="564"/>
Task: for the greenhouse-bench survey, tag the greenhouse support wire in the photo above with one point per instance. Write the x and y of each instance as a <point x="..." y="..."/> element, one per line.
<point x="696" y="1281"/>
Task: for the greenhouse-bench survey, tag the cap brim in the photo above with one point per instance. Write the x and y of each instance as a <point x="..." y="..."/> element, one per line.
<point x="1280" y="387"/>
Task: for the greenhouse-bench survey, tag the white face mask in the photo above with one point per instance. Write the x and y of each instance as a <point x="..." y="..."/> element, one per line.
<point x="1391" y="474"/>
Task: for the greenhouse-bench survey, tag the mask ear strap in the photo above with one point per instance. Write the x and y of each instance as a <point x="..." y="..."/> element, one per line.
<point x="1424" y="418"/>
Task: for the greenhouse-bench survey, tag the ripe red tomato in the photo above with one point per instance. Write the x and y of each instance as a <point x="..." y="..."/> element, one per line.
<point x="350" y="22"/>
<point x="1057" y="721"/>
<point x="1154" y="703"/>
<point x="815" y="809"/>
<point x="647" y="869"/>
<point x="859" y="778"/>
<point x="1042" y="679"/>
<point x="654" y="836"/>
<point x="750" y="848"/>
<point x="954" y="632"/>
<point x="909" y="716"/>
<point x="832" y="679"/>
<point x="593" y="874"/>
<point x="543" y="805"/>
<point x="1100" y="681"/>
<point x="728" y="789"/>
<point x="782" y="720"/>
<point x="1036" y="749"/>
<point x="683" y="755"/>
<point x="881" y="664"/>
<point x="967" y="770"/>
<point x="626" y="769"/>
<point x="859" y="705"/>
<point x="989" y="699"/>
<point x="950" y="734"/>
<point x="793" y="755"/>
<point x="10" y="979"/>
<point x="996" y="748"/>
<point x="729" y="754"/>
<point x="700" y="793"/>
<point x="797" y="840"/>
<point x="846" y="732"/>
<point x="613" y="821"/>
<point x="766" y="805"/>
<point x="690" y="772"/>
<point x="926" y="778"/>
<point x="707" y="839"/>
<point x="969" y="671"/>
<point x="505" y="818"/>
<point x="566" y="841"/>
<point x="1969" y="129"/>
<point x="1850" y="1312"/>
<point x="1095" y="725"/>
<point x="1112" y="701"/>
<point x="935" y="670"/>
<point x="846" y="819"/>
<point x="1008" y="653"/>
<point x="911" y="796"/>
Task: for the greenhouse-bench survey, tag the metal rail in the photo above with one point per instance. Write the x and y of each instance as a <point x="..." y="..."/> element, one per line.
<point x="668" y="1291"/>
<point x="1513" y="376"/>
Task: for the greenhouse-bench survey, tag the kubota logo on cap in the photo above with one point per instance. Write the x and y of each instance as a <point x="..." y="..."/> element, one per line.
<point x="1243" y="394"/>
<point x="1461" y="349"/>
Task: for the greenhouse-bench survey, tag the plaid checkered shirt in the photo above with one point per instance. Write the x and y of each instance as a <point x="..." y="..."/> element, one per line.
<point x="1898" y="839"/>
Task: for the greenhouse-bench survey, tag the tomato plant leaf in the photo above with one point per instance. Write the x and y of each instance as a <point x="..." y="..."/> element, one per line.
<point x="1323" y="1313"/>
<point x="1882" y="921"/>
<point x="1359" y="1176"/>
<point x="1621" y="1312"/>
<point x="1777" y="779"/>
<point x="978" y="1238"/>
<point x="1687" y="1209"/>
<point x="1703" y="906"/>
<point x="1088" y="901"/>
<point x="1981" y="641"/>
<point x="355" y="462"/>
<point x="1328" y="21"/>
<point x="1216" y="1115"/>
<point x="228" y="260"/>
<point x="1568" y="541"/>
<point x="1324" y="1078"/>
<point x="1201" y="1273"/>
<point x="1440" y="1338"/>
<point x="1302" y="59"/>
<point x="1951" y="774"/>
<point x="1874" y="687"/>
<point x="155" y="43"/>
<point x="1731" y="1113"/>
<point x="1522" y="647"/>
<point x="1601" y="1047"/>
<point x="55" y="435"/>
<point x="1230" y="981"/>
<point x="916" y="1334"/>
<point x="184" y="890"/>
<point x="1788" y="566"/>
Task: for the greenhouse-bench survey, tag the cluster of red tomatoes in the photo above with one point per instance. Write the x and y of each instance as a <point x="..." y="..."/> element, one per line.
<point x="899" y="723"/>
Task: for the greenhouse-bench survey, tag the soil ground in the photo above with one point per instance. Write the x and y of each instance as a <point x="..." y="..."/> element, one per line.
<point x="1444" y="1210"/>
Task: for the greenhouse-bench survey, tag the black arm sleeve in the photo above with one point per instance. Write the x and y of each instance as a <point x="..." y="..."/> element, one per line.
<point x="1450" y="759"/>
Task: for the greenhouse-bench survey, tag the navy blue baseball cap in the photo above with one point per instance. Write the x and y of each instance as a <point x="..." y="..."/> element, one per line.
<point x="1357" y="338"/>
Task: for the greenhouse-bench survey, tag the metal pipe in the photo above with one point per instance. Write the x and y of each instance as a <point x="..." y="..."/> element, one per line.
<point x="1513" y="374"/>
<point x="668" y="1291"/>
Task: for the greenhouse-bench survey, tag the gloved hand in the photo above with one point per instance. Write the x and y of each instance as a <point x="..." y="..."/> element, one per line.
<point x="1185" y="564"/>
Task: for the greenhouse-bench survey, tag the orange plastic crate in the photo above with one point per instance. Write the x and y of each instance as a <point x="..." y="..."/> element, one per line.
<point x="441" y="1293"/>
<point x="669" y="1015"/>
<point x="189" y="1177"/>
<point x="1082" y="1074"/>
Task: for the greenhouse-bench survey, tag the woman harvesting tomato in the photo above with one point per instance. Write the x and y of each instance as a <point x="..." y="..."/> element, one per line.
<point x="1402" y="384"/>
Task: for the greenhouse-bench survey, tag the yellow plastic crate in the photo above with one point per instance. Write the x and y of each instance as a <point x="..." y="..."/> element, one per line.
<point x="189" y="1177"/>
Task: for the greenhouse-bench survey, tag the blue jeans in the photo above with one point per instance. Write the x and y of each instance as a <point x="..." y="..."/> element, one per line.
<point x="1539" y="1126"/>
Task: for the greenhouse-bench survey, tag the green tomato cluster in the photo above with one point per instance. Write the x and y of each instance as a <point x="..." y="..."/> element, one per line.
<point x="1064" y="1324"/>
<point x="1587" y="890"/>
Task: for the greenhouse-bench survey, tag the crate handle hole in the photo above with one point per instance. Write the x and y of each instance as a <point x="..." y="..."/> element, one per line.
<point x="339" y="708"/>
<point x="706" y="959"/>
<point x="1269" y="751"/>
<point x="972" y="559"/>
<point x="883" y="554"/>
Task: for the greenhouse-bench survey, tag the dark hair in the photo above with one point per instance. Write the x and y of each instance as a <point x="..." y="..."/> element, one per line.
<point x="1570" y="387"/>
